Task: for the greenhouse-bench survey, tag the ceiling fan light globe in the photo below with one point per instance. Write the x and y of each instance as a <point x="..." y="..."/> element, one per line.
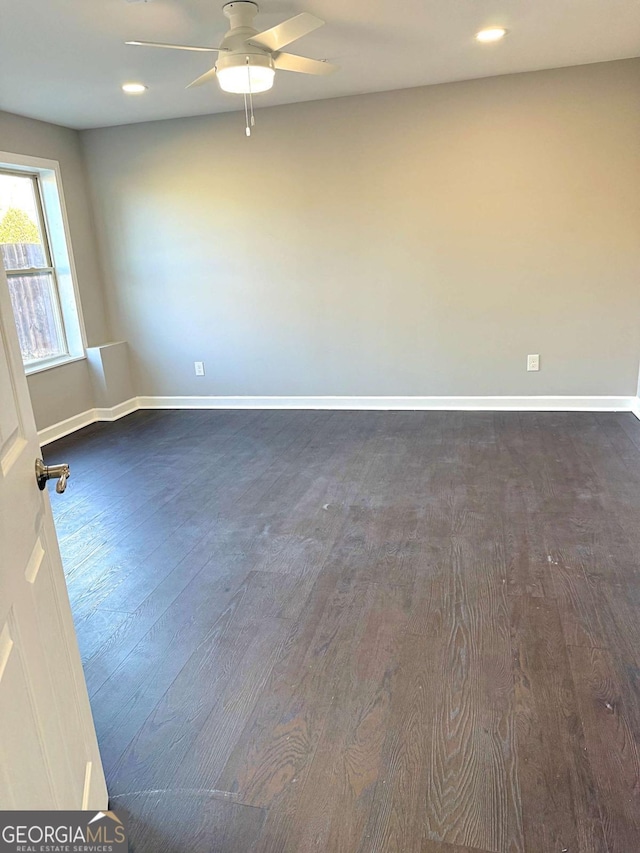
<point x="243" y="79"/>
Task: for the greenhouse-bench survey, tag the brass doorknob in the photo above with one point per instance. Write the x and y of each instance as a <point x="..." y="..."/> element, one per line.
<point x="61" y="473"/>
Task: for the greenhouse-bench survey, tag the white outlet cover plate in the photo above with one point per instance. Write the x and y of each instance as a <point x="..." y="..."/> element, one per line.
<point x="533" y="362"/>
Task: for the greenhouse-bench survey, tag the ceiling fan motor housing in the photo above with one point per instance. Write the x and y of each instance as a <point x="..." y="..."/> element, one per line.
<point x="239" y="54"/>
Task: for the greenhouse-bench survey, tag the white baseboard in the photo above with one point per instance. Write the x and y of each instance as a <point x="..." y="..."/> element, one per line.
<point x="119" y="411"/>
<point x="62" y="428"/>
<point x="489" y="404"/>
<point x="59" y="430"/>
<point x="479" y="404"/>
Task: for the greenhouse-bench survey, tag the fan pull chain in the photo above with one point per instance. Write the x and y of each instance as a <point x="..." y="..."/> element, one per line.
<point x="246" y="117"/>
<point x="253" y="121"/>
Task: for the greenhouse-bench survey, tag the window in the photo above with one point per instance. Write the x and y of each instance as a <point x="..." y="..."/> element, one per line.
<point x="27" y="261"/>
<point x="36" y="256"/>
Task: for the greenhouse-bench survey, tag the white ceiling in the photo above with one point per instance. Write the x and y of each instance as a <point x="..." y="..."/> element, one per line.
<point x="64" y="60"/>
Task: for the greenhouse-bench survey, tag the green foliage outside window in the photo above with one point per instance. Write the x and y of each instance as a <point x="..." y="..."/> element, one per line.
<point x="17" y="227"/>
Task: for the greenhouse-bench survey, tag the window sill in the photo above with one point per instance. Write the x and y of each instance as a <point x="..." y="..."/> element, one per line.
<point x="39" y="367"/>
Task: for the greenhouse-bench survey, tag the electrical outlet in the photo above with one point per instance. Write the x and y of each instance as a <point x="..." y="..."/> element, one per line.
<point x="199" y="366"/>
<point x="533" y="362"/>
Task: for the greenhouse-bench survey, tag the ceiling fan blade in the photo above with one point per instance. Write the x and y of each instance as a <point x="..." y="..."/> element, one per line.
<point x="177" y="46"/>
<point x="204" y="78"/>
<point x="290" y="62"/>
<point x="286" y="32"/>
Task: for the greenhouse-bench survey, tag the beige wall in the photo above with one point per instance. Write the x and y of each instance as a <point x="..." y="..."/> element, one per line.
<point x="406" y="243"/>
<point x="64" y="391"/>
<point x="110" y="374"/>
<point x="60" y="393"/>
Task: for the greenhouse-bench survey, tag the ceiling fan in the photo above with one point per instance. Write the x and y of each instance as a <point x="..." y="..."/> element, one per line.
<point x="247" y="59"/>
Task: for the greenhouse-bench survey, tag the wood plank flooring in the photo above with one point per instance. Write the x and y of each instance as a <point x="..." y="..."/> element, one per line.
<point x="361" y="632"/>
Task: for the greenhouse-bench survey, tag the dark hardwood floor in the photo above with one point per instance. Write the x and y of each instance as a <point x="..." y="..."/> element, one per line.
<point x="404" y="632"/>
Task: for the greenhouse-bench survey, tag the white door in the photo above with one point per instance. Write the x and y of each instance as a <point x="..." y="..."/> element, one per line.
<point x="48" y="750"/>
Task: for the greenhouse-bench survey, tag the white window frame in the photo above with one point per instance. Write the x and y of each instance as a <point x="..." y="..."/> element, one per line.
<point x="63" y="265"/>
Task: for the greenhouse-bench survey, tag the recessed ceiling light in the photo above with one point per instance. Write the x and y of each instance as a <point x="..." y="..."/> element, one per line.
<point x="491" y="34"/>
<point x="134" y="88"/>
